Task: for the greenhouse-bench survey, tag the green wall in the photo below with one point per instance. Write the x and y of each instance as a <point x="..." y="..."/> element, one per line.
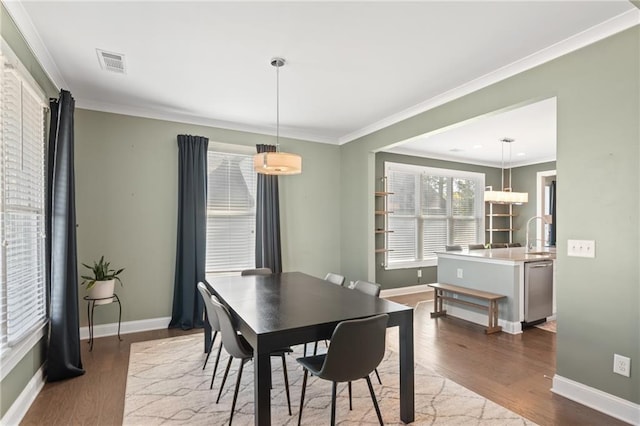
<point x="127" y="196"/>
<point x="394" y="278"/>
<point x="14" y="382"/>
<point x="598" y="158"/>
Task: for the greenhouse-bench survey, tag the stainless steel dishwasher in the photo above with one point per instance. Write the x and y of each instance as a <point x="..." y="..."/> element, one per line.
<point x="538" y="291"/>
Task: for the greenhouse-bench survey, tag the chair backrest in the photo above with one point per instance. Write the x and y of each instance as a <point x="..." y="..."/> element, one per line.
<point x="453" y="248"/>
<point x="514" y="245"/>
<point x="230" y="339"/>
<point x="476" y="246"/>
<point x="257" y="271"/>
<point x="366" y="287"/>
<point x="499" y="245"/>
<point x="334" y="278"/>
<point x="356" y="349"/>
<point x="211" y="313"/>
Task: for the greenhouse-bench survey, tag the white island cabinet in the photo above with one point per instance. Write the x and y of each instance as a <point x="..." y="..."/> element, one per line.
<point x="498" y="271"/>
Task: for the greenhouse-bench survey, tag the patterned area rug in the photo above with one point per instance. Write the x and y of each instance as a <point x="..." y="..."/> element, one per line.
<point x="166" y="385"/>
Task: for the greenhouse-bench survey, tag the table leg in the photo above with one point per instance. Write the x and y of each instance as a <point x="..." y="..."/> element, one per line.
<point x="407" y="402"/>
<point x="93" y="305"/>
<point x="119" y="315"/>
<point x="262" y="374"/>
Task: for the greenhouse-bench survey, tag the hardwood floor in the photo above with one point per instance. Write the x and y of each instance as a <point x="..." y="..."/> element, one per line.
<point x="512" y="370"/>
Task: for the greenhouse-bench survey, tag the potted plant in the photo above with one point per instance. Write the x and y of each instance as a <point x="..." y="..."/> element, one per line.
<point x="100" y="285"/>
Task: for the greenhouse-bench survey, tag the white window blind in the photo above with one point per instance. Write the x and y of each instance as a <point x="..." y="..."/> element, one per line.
<point x="22" y="198"/>
<point x="431" y="208"/>
<point x="231" y="212"/>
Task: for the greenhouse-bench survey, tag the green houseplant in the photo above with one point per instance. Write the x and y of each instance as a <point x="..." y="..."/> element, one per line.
<point x="101" y="283"/>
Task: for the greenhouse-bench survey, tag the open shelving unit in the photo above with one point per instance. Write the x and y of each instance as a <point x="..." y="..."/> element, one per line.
<point x="500" y="220"/>
<point x="381" y="212"/>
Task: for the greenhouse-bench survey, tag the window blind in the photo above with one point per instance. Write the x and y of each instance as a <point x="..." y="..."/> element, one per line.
<point x="431" y="208"/>
<point x="231" y="212"/>
<point x="22" y="195"/>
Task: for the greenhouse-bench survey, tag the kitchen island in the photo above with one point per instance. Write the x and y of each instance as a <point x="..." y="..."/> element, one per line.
<point x="500" y="271"/>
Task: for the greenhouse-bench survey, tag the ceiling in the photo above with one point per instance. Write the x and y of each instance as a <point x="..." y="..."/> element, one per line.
<point x="352" y="67"/>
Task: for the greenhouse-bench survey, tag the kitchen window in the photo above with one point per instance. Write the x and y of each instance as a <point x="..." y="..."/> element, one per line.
<point x="231" y="209"/>
<point x="429" y="209"/>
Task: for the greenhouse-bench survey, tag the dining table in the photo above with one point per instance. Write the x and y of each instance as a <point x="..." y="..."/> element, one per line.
<point x="291" y="308"/>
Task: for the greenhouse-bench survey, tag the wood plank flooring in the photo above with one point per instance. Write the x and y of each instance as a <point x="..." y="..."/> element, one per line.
<point x="512" y="370"/>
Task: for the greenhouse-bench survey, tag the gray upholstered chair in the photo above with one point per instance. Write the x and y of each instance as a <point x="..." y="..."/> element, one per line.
<point x="238" y="347"/>
<point x="256" y="271"/>
<point x="213" y="322"/>
<point x="514" y="245"/>
<point x="453" y="247"/>
<point x="367" y="287"/>
<point x="476" y="246"/>
<point x="335" y="278"/>
<point x="346" y="361"/>
<point x="499" y="245"/>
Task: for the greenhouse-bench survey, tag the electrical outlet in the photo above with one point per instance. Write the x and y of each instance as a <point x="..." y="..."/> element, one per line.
<point x="460" y="273"/>
<point x="581" y="248"/>
<point x="622" y="365"/>
<point x="419" y="273"/>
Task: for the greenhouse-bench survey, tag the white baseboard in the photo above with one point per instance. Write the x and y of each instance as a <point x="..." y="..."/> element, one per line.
<point x="510" y="327"/>
<point x="401" y="291"/>
<point x="611" y="405"/>
<point x="21" y="405"/>
<point x="103" y="330"/>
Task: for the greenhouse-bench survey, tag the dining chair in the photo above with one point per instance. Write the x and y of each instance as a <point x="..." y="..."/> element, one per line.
<point x="514" y="245"/>
<point x="256" y="271"/>
<point x="212" y="317"/>
<point x="238" y="347"/>
<point x="476" y="246"/>
<point x="335" y="279"/>
<point x="499" y="245"/>
<point x="346" y="361"/>
<point x="453" y="248"/>
<point x="372" y="289"/>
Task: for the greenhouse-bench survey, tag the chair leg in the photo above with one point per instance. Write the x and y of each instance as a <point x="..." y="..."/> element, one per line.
<point x="286" y="382"/>
<point x="378" y="376"/>
<point x="224" y="378"/>
<point x="215" y="367"/>
<point x="315" y="348"/>
<point x="333" y="403"/>
<point x="304" y="353"/>
<point x="304" y="387"/>
<point x="209" y="351"/>
<point x="235" y="394"/>
<point x="373" y="398"/>
<point x="350" y="399"/>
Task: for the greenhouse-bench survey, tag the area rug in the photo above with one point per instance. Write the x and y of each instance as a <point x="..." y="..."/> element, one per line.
<point x="548" y="326"/>
<point x="166" y="385"/>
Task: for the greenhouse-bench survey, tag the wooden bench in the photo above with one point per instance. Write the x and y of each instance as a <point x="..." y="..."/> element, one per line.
<point x="492" y="298"/>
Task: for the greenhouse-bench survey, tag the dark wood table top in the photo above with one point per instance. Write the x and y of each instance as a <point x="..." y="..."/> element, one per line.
<point x="293" y="300"/>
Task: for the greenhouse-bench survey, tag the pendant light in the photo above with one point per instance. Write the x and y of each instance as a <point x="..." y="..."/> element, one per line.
<point x="277" y="163"/>
<point x="506" y="196"/>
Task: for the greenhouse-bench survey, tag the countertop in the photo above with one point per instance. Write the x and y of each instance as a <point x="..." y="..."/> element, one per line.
<point x="513" y="254"/>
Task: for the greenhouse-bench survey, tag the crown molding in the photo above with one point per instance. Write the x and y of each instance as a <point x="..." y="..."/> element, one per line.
<point x="601" y="31"/>
<point x="200" y="121"/>
<point x="34" y="42"/>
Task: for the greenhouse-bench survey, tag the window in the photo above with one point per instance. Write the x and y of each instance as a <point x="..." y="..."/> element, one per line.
<point x="231" y="212"/>
<point x="22" y="217"/>
<point x="431" y="208"/>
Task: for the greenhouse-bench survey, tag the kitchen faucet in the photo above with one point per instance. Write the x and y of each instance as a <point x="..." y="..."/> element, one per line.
<point x="530" y="246"/>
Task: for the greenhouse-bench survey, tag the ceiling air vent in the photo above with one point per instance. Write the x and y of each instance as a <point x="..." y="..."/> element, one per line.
<point x="111" y="61"/>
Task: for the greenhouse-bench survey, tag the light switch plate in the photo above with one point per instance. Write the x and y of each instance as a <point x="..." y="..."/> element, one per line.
<point x="581" y="248"/>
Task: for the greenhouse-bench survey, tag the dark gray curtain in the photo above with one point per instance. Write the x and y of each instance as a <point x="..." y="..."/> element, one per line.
<point x="552" y="209"/>
<point x="192" y="232"/>
<point x="268" y="252"/>
<point x="63" y="356"/>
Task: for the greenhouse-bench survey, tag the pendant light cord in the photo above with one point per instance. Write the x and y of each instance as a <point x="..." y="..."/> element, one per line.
<point x="277" y="108"/>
